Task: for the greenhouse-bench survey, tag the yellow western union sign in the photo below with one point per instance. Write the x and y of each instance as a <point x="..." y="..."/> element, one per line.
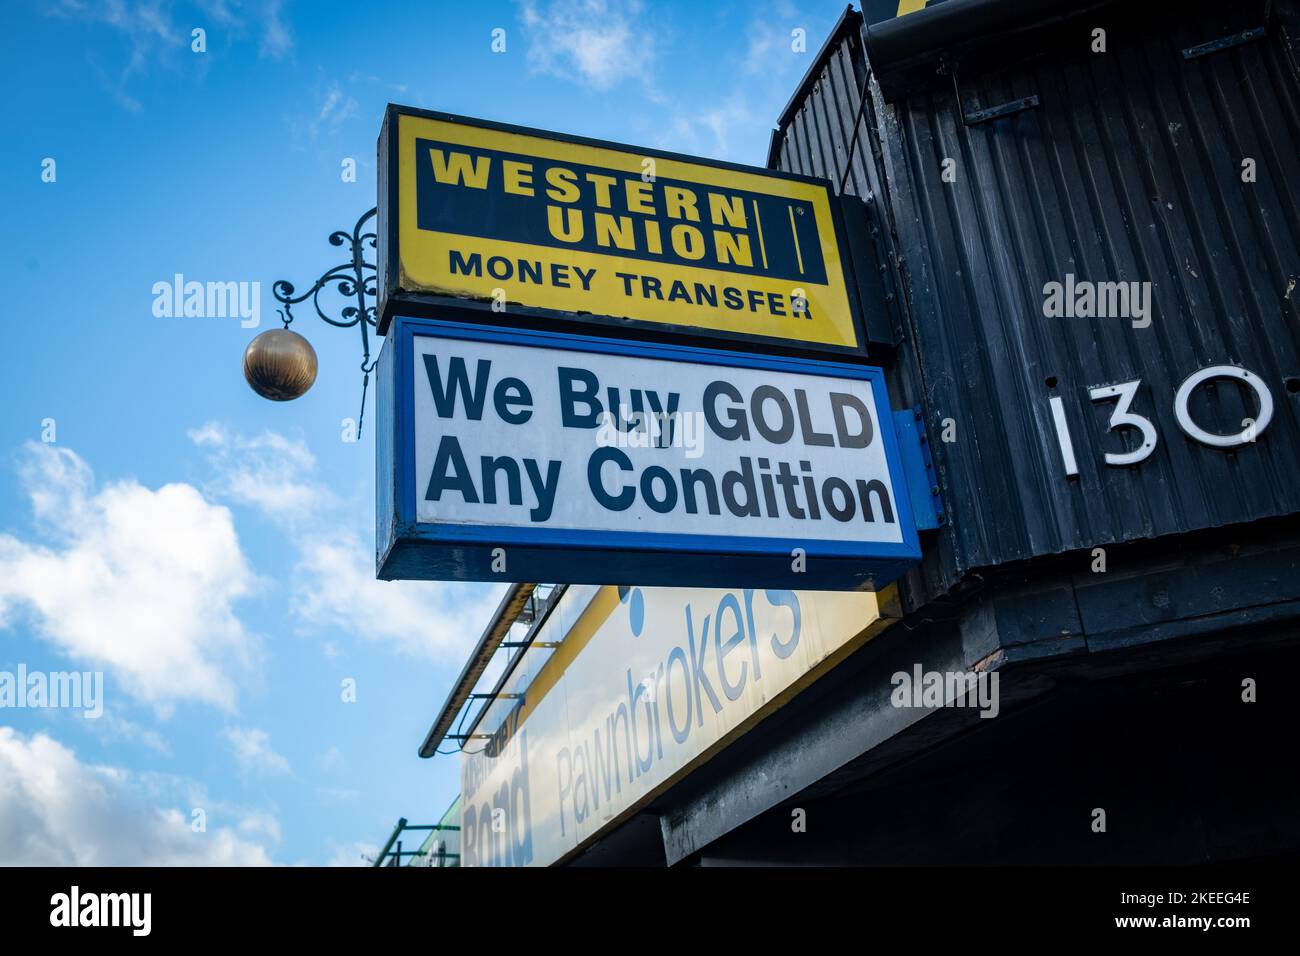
<point x="520" y="220"/>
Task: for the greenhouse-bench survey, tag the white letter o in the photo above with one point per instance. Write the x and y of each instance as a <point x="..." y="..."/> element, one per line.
<point x="1196" y="432"/>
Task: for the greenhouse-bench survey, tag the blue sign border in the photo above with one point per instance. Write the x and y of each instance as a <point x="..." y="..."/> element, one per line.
<point x="409" y="549"/>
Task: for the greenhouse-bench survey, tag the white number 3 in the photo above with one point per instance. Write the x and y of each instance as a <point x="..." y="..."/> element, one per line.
<point x="1122" y="418"/>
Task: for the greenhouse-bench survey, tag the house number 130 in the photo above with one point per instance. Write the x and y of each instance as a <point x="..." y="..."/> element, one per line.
<point x="1123" y="417"/>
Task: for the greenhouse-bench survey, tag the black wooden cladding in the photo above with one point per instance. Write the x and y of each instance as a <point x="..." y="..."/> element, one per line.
<point x="1128" y="169"/>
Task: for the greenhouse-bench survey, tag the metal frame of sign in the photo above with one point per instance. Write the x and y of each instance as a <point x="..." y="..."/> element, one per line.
<point x="407" y="549"/>
<point x="392" y="300"/>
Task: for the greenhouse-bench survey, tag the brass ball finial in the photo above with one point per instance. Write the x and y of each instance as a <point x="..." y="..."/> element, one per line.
<point x="280" y="365"/>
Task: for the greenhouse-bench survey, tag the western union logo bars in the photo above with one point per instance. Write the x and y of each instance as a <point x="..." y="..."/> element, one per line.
<point x="530" y="228"/>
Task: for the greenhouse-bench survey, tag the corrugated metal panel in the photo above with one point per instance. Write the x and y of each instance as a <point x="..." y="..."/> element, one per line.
<point x="1130" y="170"/>
<point x="816" y="138"/>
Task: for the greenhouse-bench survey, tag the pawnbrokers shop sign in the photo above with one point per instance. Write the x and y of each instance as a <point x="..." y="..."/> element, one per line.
<point x="522" y="223"/>
<point x="515" y="455"/>
<point x="644" y="685"/>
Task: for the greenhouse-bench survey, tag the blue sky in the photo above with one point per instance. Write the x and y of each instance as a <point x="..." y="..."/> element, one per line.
<point x="210" y="552"/>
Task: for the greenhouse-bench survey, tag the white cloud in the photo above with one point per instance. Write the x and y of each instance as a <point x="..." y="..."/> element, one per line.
<point x="138" y="581"/>
<point x="276" y="39"/>
<point x="712" y="130"/>
<point x="763" y="39"/>
<point x="252" y="749"/>
<point x="333" y="580"/>
<point x="266" y="471"/>
<point x="331" y="759"/>
<point x="260" y="824"/>
<point x="337" y="795"/>
<point x="58" y="811"/>
<point x="147" y="26"/>
<point x="111" y="728"/>
<point x="154" y="37"/>
<point x="769" y="45"/>
<point x="598" y="43"/>
<point x="336" y="108"/>
<point x="354" y="854"/>
<point x="335" y="585"/>
<point x="737" y="125"/>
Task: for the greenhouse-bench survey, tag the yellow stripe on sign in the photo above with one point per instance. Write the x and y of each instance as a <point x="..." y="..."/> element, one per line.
<point x="758" y="225"/>
<point x="591" y="620"/>
<point x="910" y="6"/>
<point x="795" y="232"/>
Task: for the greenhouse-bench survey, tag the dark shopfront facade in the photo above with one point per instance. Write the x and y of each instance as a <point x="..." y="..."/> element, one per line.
<point x="1129" y="689"/>
<point x="1073" y="231"/>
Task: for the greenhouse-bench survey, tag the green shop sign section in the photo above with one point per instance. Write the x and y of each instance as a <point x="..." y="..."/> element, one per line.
<point x="440" y="846"/>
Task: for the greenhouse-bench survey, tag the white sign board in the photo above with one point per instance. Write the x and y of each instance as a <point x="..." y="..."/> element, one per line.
<point x="646" y="684"/>
<point x="651" y="463"/>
